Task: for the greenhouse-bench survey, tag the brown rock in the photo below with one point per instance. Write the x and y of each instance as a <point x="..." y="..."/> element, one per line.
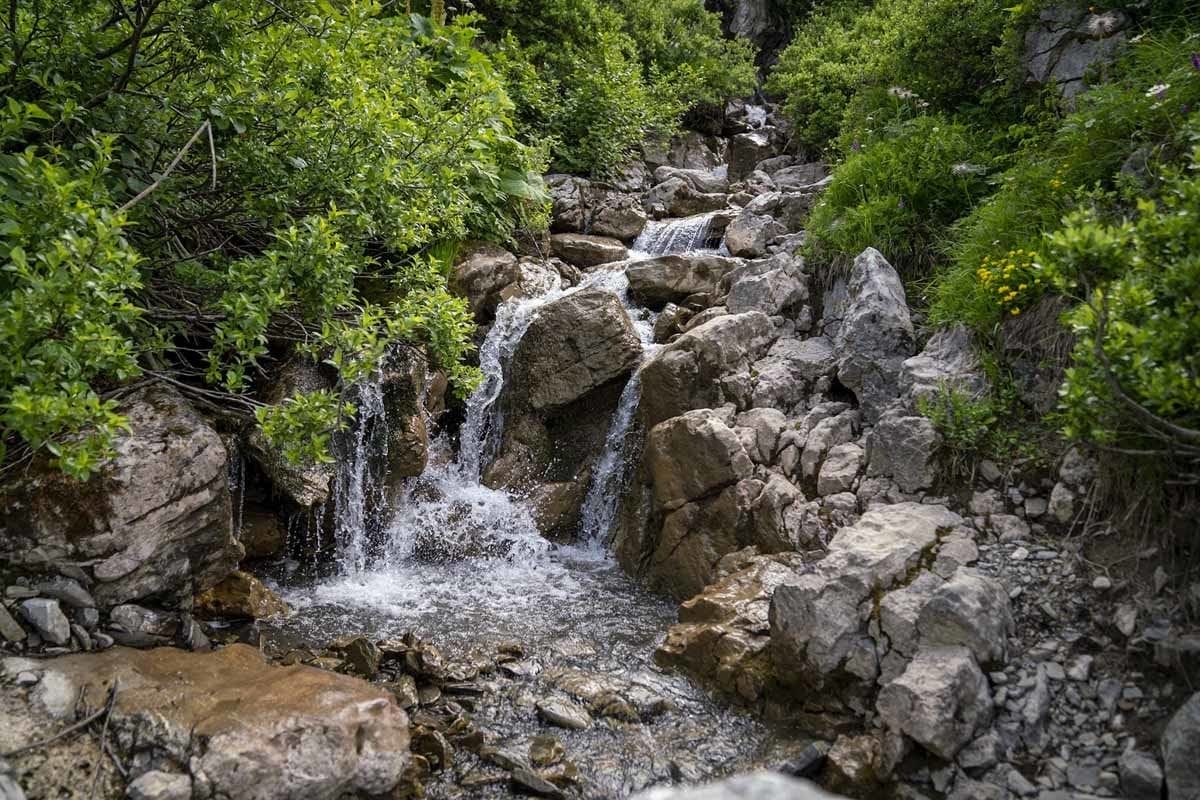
<point x="240" y="595"/>
<point x="262" y="534"/>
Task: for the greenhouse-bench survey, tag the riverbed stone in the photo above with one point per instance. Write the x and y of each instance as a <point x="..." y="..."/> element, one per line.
<point x="941" y="701"/>
<point x="749" y="234"/>
<point x="673" y="278"/>
<point x="875" y="335"/>
<point x="156" y="520"/>
<point x="242" y="727"/>
<point x="585" y="251"/>
<point x="482" y="270"/>
<point x="47" y="619"/>
<point x="240" y="595"/>
<point x="564" y="714"/>
<point x="576" y="343"/>
<point x="691" y="372"/>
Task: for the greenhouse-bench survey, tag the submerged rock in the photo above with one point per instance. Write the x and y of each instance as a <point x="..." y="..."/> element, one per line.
<point x="243" y="728"/>
<point x="156" y="520"/>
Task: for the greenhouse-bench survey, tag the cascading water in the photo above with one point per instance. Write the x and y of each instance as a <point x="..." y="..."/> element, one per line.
<point x="686" y="235"/>
<point x="359" y="485"/>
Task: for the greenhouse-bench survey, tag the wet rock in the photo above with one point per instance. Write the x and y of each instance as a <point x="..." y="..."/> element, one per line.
<point x="156" y="520"/>
<point x="362" y="655"/>
<point x="47" y="619"/>
<point x="482" y="271"/>
<point x="789" y="369"/>
<point x="530" y="782"/>
<point x="816" y="628"/>
<point x="1181" y="750"/>
<point x="261" y="534"/>
<point x="692" y="456"/>
<point x="617" y="215"/>
<point x="761" y="785"/>
<point x="306" y="484"/>
<point x="575" y="344"/>
<point x="673" y="278"/>
<point x="904" y="448"/>
<point x="603" y="692"/>
<point x="692" y="539"/>
<point x="749" y="234"/>
<point x="564" y="714"/>
<point x="245" y="728"/>
<point x="723" y="633"/>
<point x="584" y="250"/>
<point x="688" y="373"/>
<point x="940" y="701"/>
<point x="156" y="785"/>
<point x="875" y="335"/>
<point x="545" y="751"/>
<point x="240" y="595"/>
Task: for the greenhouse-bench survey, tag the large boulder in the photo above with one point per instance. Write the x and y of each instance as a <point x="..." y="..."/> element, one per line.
<point x="482" y="270"/>
<point x="749" y="234"/>
<point x="941" y="701"/>
<point x="789" y="208"/>
<point x="875" y="335"/>
<point x="708" y="181"/>
<point x="580" y="206"/>
<point x="700" y="369"/>
<point x="569" y="199"/>
<point x="818" y="633"/>
<point x="746" y="150"/>
<point x="679" y="197"/>
<point x="585" y="251"/>
<point x="156" y="520"/>
<point x="695" y="151"/>
<point x="722" y="635"/>
<point x="692" y="456"/>
<point x="801" y="177"/>
<point x="1068" y="41"/>
<point x="575" y="344"/>
<point x="617" y="215"/>
<point x="775" y="286"/>
<point x="672" y="278"/>
<point x="947" y="362"/>
<point x="1181" y="751"/>
<point x="785" y="376"/>
<point x="970" y="610"/>
<point x="904" y="448"/>
<point x="240" y="727"/>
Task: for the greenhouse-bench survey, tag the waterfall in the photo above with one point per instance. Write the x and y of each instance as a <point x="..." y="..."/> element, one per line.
<point x="685" y="235"/>
<point x="359" y="486"/>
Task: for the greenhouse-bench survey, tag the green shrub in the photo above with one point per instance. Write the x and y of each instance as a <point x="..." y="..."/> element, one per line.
<point x="898" y="193"/>
<point x="939" y="51"/>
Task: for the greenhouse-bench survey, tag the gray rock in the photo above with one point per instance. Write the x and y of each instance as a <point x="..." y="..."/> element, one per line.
<point x="751" y="786"/>
<point x="774" y="292"/>
<point x="941" y="701"/>
<point x="136" y="626"/>
<point x="983" y="752"/>
<point x="1067" y="43"/>
<point x="696" y="151"/>
<point x="786" y="374"/>
<point x="47" y="619"/>
<point x="1141" y="776"/>
<point x="749" y="234"/>
<point x="746" y="150"/>
<point x="800" y="177"/>
<point x="947" y="362"/>
<point x="531" y="782"/>
<point x="825" y="435"/>
<point x="840" y="469"/>
<point x="971" y="610"/>
<point x="875" y="335"/>
<point x="677" y="197"/>
<point x="1062" y="503"/>
<point x="10" y="629"/>
<point x="576" y="343"/>
<point x="673" y="278"/>
<point x="155" y="785"/>
<point x="584" y="250"/>
<point x="1181" y="751"/>
<point x="68" y="591"/>
<point x="708" y="181"/>
<point x="616" y="215"/>
<point x="759" y="430"/>
<point x="156" y="520"/>
<point x="9" y="788"/>
<point x="481" y="272"/>
<point x="904" y="448"/>
<point x="692" y="456"/>
<point x="564" y="714"/>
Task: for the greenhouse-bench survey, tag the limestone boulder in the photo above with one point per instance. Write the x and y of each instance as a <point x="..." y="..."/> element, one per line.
<point x="678" y="197"/>
<point x="749" y="234"/>
<point x="693" y="456"/>
<point x="695" y="151"/>
<point x="904" y="448"/>
<point x="941" y="701"/>
<point x="708" y="181"/>
<point x="970" y="610"/>
<point x="701" y="368"/>
<point x="575" y="344"/>
<point x="774" y="287"/>
<point x="840" y="469"/>
<point x="1068" y="41"/>
<point x="672" y="278"/>
<point x="483" y="269"/>
<point x="801" y="176"/>
<point x="616" y="215"/>
<point x="156" y="520"/>
<point x="586" y="251"/>
<point x="875" y="335"/>
<point x="947" y="362"/>
<point x="241" y="727"/>
<point x="568" y="195"/>
<point x="786" y="374"/>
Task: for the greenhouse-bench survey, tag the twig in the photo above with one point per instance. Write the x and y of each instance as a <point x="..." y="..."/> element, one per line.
<point x="108" y="707"/>
<point x="205" y="126"/>
<point x="65" y="732"/>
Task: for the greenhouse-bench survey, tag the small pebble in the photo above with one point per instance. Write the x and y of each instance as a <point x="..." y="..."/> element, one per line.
<point x="1102" y="583"/>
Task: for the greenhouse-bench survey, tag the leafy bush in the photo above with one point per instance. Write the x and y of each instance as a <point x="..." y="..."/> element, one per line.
<point x="938" y="50"/>
<point x="898" y="193"/>
<point x="1133" y="383"/>
<point x="271" y="158"/>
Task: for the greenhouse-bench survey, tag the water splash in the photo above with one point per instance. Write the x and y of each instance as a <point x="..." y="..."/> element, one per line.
<point x="685" y="235"/>
<point x="359" y="485"/>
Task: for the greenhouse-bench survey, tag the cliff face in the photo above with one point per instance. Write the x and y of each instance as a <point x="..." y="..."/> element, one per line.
<point x="764" y="22"/>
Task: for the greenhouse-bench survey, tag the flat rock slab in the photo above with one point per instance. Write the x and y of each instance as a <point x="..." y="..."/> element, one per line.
<point x="248" y="729"/>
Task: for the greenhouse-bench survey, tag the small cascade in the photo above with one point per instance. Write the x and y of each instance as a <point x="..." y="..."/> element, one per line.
<point x="685" y="235"/>
<point x="359" y="485"/>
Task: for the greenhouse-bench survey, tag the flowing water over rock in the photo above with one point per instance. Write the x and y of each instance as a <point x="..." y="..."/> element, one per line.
<point x="464" y="566"/>
<point x="687" y="235"/>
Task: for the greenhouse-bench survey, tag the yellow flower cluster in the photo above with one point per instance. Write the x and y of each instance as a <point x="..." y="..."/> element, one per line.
<point x="1012" y="278"/>
<point x="1056" y="182"/>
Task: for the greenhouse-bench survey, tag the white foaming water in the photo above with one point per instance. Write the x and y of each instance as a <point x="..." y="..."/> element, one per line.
<point x="685" y="235"/>
<point x="358" y="486"/>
